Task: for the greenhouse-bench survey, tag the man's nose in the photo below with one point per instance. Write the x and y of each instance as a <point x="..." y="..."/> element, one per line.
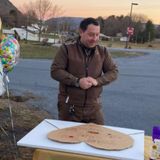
<point x="96" y="38"/>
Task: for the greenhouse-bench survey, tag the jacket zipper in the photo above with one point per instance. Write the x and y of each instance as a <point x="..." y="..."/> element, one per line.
<point x="86" y="72"/>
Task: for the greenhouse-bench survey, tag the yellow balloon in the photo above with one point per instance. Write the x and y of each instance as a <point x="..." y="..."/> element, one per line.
<point x="3" y="36"/>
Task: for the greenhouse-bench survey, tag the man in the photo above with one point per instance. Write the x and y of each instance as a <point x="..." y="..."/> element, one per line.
<point x="82" y="67"/>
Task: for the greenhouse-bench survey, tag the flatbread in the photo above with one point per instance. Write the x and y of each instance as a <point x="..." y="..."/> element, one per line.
<point x="94" y="135"/>
<point x="105" y="138"/>
<point x="66" y="135"/>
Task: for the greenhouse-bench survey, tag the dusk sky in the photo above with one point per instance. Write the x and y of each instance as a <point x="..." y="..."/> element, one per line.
<point x="104" y="8"/>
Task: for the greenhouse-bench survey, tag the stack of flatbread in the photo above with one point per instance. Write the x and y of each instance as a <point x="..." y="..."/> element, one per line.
<point x="94" y="135"/>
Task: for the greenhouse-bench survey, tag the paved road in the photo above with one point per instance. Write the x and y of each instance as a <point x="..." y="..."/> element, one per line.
<point x="132" y="101"/>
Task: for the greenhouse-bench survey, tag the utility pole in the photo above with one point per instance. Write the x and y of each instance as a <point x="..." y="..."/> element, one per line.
<point x="27" y="20"/>
<point x="130" y="30"/>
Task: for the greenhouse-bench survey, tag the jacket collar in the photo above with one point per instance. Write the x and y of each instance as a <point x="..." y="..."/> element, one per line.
<point x="88" y="51"/>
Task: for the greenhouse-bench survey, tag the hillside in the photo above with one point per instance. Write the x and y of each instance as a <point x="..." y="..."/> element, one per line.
<point x="10" y="15"/>
<point x="63" y="22"/>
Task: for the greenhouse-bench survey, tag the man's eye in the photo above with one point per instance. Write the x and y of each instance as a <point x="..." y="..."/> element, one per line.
<point x="91" y="35"/>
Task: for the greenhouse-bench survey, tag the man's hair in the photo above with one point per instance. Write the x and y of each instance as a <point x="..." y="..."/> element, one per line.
<point x="87" y="21"/>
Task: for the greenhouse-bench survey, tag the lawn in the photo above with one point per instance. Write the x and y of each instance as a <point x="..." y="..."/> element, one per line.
<point x="25" y="117"/>
<point x="118" y="44"/>
<point x="36" y="50"/>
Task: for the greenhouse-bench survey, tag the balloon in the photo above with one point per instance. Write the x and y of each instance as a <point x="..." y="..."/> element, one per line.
<point x="0" y="24"/>
<point x="9" y="53"/>
<point x="2" y="87"/>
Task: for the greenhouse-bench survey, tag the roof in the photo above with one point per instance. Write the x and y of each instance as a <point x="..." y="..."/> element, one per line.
<point x="104" y="36"/>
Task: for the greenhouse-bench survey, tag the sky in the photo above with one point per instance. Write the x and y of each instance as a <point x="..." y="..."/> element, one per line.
<point x="105" y="8"/>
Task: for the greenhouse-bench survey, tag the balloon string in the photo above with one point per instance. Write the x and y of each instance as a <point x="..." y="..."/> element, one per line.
<point x="11" y="115"/>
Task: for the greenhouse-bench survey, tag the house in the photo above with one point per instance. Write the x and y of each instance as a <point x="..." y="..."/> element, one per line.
<point x="104" y="37"/>
<point x="22" y="33"/>
<point x="29" y="34"/>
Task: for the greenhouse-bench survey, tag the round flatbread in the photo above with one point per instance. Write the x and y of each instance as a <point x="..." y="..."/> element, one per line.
<point x="105" y="138"/>
<point x="67" y="135"/>
<point x="94" y="135"/>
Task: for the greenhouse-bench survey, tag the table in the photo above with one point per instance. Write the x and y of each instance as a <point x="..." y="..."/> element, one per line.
<point x="37" y="138"/>
<point x="41" y="154"/>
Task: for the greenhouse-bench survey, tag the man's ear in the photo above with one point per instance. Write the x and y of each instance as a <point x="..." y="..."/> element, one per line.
<point x="80" y="31"/>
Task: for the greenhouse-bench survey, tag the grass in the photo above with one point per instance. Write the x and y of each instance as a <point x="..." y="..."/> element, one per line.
<point x="117" y="44"/>
<point x="35" y="50"/>
<point x="116" y="54"/>
<point x="25" y="117"/>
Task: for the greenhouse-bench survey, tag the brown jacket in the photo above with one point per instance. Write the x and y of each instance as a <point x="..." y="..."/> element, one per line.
<point x="71" y="63"/>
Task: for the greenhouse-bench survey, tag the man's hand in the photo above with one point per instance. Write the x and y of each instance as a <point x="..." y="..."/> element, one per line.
<point x="87" y="82"/>
<point x="93" y="81"/>
<point x="84" y="83"/>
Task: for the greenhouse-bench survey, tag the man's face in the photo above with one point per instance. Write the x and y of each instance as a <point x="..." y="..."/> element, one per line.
<point x="90" y="36"/>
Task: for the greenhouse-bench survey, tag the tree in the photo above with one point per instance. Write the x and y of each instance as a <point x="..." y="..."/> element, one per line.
<point x="110" y="26"/>
<point x="115" y="24"/>
<point x="101" y="22"/>
<point x="149" y="31"/>
<point x="139" y="18"/>
<point x="157" y="32"/>
<point x="118" y="24"/>
<point x="138" y="29"/>
<point x="39" y="11"/>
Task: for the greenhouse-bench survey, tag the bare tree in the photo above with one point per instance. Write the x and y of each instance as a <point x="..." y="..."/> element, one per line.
<point x="118" y="24"/>
<point x="139" y="18"/>
<point x="38" y="11"/>
<point x="138" y="22"/>
<point x="115" y="24"/>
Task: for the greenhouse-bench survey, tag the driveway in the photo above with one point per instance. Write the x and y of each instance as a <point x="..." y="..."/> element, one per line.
<point x="132" y="101"/>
